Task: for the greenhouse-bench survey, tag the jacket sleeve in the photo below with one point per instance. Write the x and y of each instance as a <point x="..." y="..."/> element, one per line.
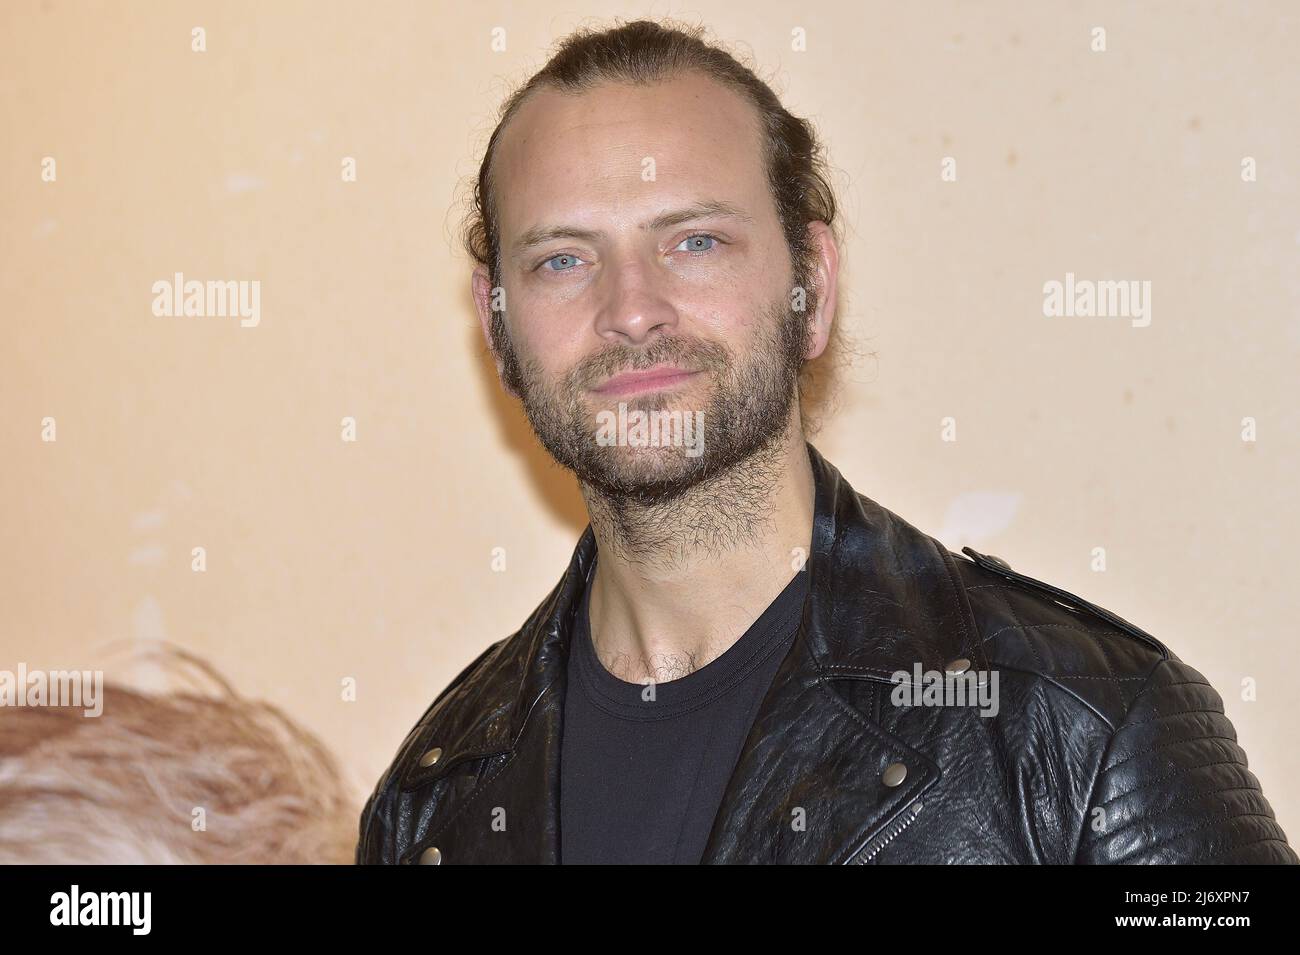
<point x="1173" y="787"/>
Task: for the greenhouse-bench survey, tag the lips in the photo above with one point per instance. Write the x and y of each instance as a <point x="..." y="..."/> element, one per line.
<point x="650" y="379"/>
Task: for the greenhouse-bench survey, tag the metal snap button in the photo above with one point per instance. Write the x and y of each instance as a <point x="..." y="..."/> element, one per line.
<point x="431" y="757"/>
<point x="960" y="665"/>
<point x="894" y="774"/>
<point x="431" y="856"/>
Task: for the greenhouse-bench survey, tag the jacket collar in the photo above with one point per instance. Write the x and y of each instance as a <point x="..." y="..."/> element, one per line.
<point x="883" y="597"/>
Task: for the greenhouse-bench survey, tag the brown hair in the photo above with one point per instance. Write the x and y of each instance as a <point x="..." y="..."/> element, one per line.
<point x="644" y="52"/>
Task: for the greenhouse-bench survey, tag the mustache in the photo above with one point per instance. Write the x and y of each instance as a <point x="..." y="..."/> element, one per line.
<point x="691" y="354"/>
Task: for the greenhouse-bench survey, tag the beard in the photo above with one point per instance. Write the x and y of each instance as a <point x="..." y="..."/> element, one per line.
<point x="742" y="402"/>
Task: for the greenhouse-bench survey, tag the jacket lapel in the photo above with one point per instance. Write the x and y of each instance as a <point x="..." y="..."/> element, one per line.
<point x="810" y="784"/>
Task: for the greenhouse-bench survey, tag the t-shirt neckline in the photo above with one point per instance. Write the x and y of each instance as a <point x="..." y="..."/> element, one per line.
<point x="643" y="701"/>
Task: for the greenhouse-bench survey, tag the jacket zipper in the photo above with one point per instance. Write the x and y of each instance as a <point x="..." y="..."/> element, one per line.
<point x="873" y="848"/>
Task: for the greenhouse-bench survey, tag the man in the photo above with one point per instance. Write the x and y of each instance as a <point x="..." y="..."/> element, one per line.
<point x="746" y="660"/>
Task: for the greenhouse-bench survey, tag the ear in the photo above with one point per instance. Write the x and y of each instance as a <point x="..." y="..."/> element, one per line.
<point x="825" y="272"/>
<point x="484" y="299"/>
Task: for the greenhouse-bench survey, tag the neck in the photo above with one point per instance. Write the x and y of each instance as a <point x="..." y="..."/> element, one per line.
<point x="678" y="583"/>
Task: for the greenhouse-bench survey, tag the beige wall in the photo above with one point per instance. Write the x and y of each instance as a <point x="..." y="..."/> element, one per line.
<point x="371" y="560"/>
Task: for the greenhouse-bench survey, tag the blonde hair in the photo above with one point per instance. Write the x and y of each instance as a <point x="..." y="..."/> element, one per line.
<point x="124" y="787"/>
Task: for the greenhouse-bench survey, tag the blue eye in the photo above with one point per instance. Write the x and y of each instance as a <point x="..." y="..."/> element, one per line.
<point x="571" y="261"/>
<point x="691" y="239"/>
<point x="695" y="244"/>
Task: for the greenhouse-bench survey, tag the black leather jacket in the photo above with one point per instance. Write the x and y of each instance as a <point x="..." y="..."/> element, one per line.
<point x="1106" y="748"/>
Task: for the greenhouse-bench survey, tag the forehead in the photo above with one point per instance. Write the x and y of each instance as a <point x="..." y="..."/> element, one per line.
<point x="585" y="156"/>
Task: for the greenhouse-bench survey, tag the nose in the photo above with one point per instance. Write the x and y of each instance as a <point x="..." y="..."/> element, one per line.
<point x="632" y="307"/>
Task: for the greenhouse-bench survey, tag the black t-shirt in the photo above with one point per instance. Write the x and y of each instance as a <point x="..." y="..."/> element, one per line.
<point x="641" y="779"/>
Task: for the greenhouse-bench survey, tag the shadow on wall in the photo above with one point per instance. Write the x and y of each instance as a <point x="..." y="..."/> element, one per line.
<point x="187" y="777"/>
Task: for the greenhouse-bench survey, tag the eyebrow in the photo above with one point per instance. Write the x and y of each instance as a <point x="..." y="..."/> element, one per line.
<point x="712" y="209"/>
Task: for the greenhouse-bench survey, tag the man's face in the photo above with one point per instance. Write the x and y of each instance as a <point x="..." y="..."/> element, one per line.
<point x="644" y="269"/>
